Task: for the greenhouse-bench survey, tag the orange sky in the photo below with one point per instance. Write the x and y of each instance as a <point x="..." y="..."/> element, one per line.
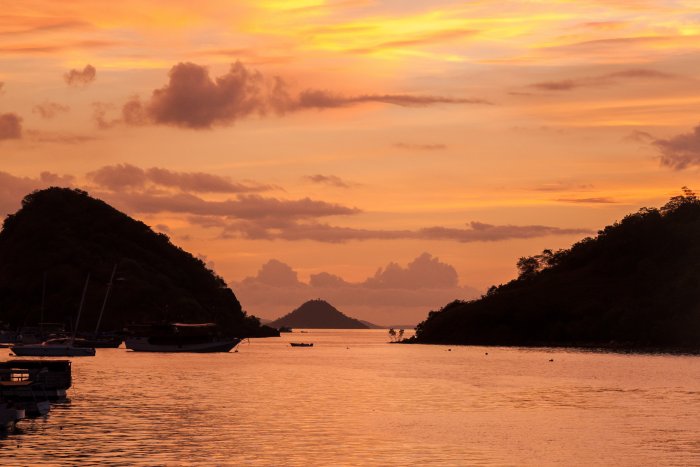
<point x="342" y="136"/>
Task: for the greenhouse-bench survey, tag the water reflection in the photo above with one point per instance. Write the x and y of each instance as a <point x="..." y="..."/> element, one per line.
<point x="353" y="399"/>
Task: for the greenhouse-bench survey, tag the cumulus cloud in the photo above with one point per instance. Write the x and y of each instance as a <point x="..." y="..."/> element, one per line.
<point x="193" y="99"/>
<point x="49" y="110"/>
<point x="326" y="280"/>
<point x="275" y="273"/>
<point x="10" y="126"/>
<point x="425" y="271"/>
<point x="53" y="179"/>
<point x="681" y="151"/>
<point x="603" y="80"/>
<point x="332" y="180"/>
<point x="395" y="294"/>
<point x="120" y="176"/>
<point x="80" y="77"/>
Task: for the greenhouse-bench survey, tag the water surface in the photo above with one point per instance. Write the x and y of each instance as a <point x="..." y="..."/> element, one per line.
<point x="353" y="399"/>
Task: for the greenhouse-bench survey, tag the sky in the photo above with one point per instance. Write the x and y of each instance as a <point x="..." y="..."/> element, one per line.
<point x="390" y="156"/>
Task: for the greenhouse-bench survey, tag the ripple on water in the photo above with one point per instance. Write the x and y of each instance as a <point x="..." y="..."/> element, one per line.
<point x="371" y="404"/>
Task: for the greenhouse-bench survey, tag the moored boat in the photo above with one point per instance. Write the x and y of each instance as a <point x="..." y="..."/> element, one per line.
<point x="179" y="337"/>
<point x="57" y="349"/>
<point x="301" y="344"/>
<point x="46" y="349"/>
<point x="53" y="376"/>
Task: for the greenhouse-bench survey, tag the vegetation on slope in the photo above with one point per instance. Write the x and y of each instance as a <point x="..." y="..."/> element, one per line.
<point x="60" y="235"/>
<point x="635" y="285"/>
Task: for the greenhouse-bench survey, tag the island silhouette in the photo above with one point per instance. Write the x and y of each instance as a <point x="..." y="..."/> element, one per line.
<point x="636" y="285"/>
<point x="318" y="314"/>
<point x="59" y="235"/>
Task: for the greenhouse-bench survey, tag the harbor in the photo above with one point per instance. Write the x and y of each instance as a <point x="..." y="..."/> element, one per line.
<point x="355" y="399"/>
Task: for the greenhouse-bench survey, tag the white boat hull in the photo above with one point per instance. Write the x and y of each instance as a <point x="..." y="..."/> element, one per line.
<point x="40" y="350"/>
<point x="142" y="344"/>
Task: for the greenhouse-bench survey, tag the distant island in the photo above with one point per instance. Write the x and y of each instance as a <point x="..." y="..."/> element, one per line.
<point x="60" y="235"/>
<point x="318" y="314"/>
<point x="636" y="286"/>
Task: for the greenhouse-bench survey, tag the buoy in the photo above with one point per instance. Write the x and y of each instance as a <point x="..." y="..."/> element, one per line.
<point x="551" y="359"/>
<point x="486" y="353"/>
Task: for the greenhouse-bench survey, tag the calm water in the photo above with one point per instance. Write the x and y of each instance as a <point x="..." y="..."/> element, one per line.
<point x="355" y="400"/>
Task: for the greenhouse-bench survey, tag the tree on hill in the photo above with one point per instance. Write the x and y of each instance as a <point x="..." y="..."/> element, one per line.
<point x="65" y="234"/>
<point x="636" y="284"/>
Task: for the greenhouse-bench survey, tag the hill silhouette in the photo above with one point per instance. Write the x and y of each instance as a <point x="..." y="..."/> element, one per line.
<point x="318" y="314"/>
<point x="635" y="285"/>
<point x="62" y="234"/>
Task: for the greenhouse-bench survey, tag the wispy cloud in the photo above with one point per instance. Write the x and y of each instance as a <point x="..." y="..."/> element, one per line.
<point x="603" y="80"/>
<point x="321" y="232"/>
<point x="599" y="200"/>
<point x="332" y="180"/>
<point x="121" y="176"/>
<point x="417" y="41"/>
<point x="421" y="146"/>
<point x="41" y="136"/>
<point x="53" y="48"/>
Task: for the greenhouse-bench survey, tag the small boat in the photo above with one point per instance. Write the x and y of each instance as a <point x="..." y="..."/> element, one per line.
<point x="301" y="344"/>
<point x="179" y="337"/>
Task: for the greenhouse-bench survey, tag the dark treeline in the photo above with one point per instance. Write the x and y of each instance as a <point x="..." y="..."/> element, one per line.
<point x="62" y="235"/>
<point x="635" y="285"/>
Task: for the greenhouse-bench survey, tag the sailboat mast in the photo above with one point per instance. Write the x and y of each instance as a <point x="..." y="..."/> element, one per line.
<point x="104" y="302"/>
<point x="80" y="310"/>
<point x="43" y="302"/>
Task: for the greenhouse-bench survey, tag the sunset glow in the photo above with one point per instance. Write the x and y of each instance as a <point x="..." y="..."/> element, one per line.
<point x="350" y="137"/>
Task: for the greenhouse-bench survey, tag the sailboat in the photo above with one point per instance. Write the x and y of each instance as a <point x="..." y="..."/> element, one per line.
<point x="57" y="349"/>
<point x="97" y="339"/>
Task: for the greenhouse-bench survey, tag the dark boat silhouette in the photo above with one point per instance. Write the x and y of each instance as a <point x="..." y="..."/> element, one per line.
<point x="179" y="337"/>
<point x="301" y="344"/>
